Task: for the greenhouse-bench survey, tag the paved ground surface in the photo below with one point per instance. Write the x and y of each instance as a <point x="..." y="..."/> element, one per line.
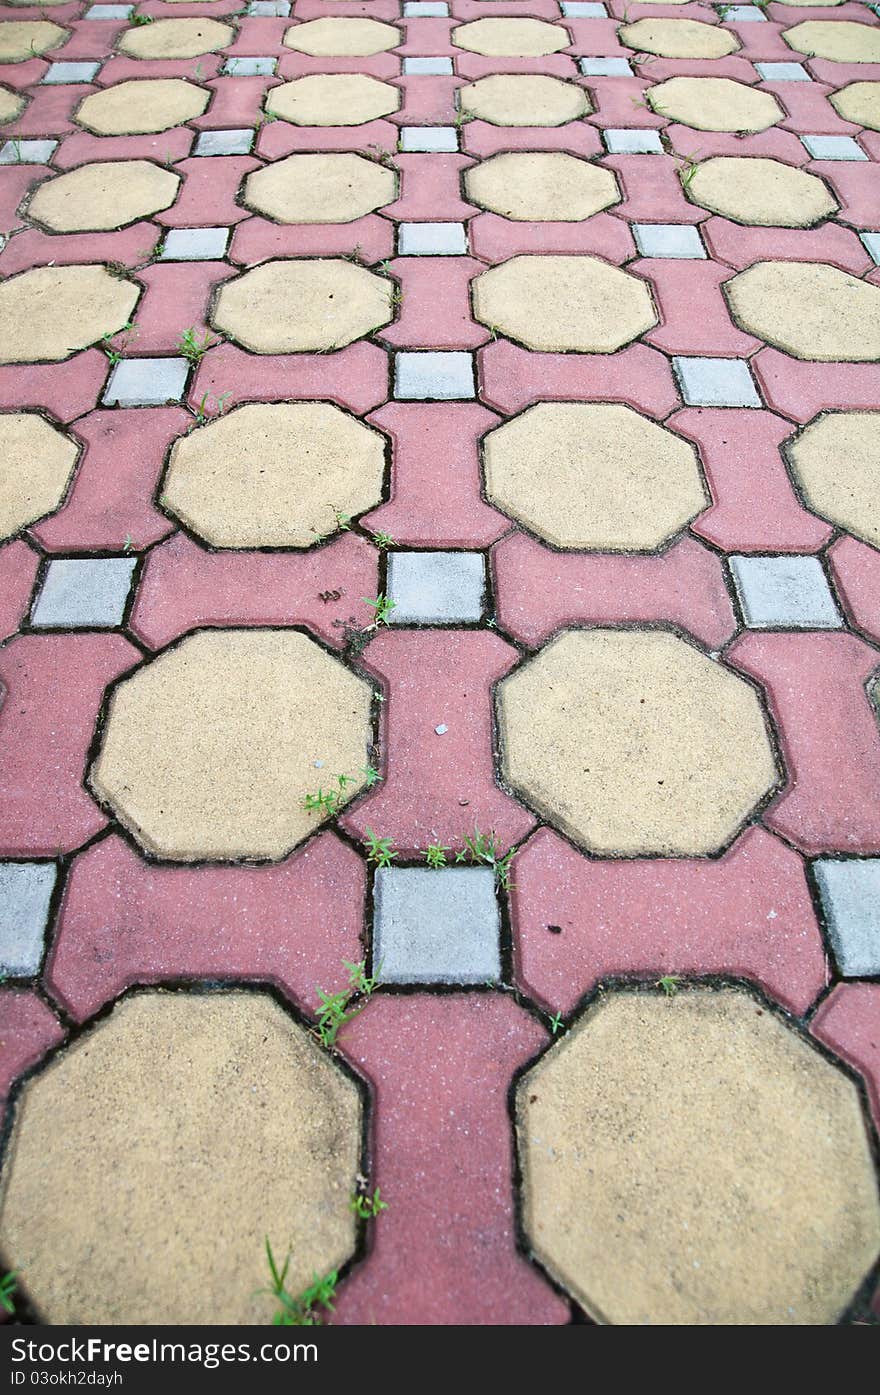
<point x="557" y="326"/>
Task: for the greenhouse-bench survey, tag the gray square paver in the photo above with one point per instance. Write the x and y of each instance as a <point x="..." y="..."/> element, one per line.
<point x="231" y="142"/>
<point x="716" y="382"/>
<point x="582" y="9"/>
<point x="436" y="587"/>
<point x="25" y="892"/>
<point x="195" y="244"/>
<point x="792" y="592"/>
<point x="871" y="241"/>
<point x="678" y="240"/>
<point x="272" y="9"/>
<point x="850" y="891"/>
<point x="783" y="72"/>
<point x="425" y="9"/>
<point x="428" y="66"/>
<point x="57" y="73"/>
<point x="27" y="152"/>
<point x="438" y="376"/>
<point x="249" y="67"/>
<point x="744" y="14"/>
<point x="632" y="142"/>
<point x="436" y="926"/>
<point x="84" y="592"/>
<point x="833" y="148"/>
<point x="146" y="382"/>
<point x="437" y="139"/>
<point x="108" y="12"/>
<point x="431" y="239"/>
<point x="605" y="67"/>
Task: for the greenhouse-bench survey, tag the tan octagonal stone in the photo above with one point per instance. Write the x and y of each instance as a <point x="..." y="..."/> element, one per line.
<point x="807" y="4"/>
<point x="633" y="742"/>
<point x="678" y="38"/>
<point x="333" y="99"/>
<point x="541" y="187"/>
<point x="714" y="104"/>
<point x="331" y="188"/>
<point x="332" y="37"/>
<point x="209" y="751"/>
<point x="50" y="312"/>
<point x="808" y="309"/>
<point x="511" y="38"/>
<point x="142" y="106"/>
<point x="694" y="1160"/>
<point x="559" y="303"/>
<point x="840" y="40"/>
<point x="110" y="194"/>
<point x="859" y="102"/>
<point x="176" y="38"/>
<point x="760" y="192"/>
<point x="21" y="39"/>
<point x="837" y="463"/>
<point x="11" y="105"/>
<point x="593" y="475"/>
<point x="36" y="463"/>
<point x="524" y="99"/>
<point x="150" y="1161"/>
<point x="286" y="307"/>
<point x="274" y="474"/>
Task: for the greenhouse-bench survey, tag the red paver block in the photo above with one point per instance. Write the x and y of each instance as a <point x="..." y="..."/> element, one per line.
<point x="474" y="65"/>
<point x="426" y="37"/>
<point x="207" y="195"/>
<point x="430" y="189"/>
<point x="256" y="240"/>
<point x="435" y="312"/>
<point x="18" y="572"/>
<point x="111" y="499"/>
<point x="854" y="185"/>
<point x="802" y="389"/>
<point x="513" y="378"/>
<point x="65" y="390"/>
<point x="769" y="145"/>
<point x="436" y="456"/>
<point x="849" y="1022"/>
<point x="281" y="138"/>
<point x="17" y="181"/>
<point x="167" y="148"/>
<point x="184" y="587"/>
<point x="856" y="569"/>
<point x="621" y="102"/>
<point x="603" y="236"/>
<point x="120" y="68"/>
<point x="652" y="189"/>
<point x="830" y="737"/>
<point x="740" y="246"/>
<point x="539" y="591"/>
<point x="438" y="785"/>
<point x="31" y="247"/>
<point x="748" y="914"/>
<point x="236" y="102"/>
<point x="465" y="10"/>
<point x="755" y="508"/>
<point x="445" y="1250"/>
<point x="840" y="74"/>
<point x="28" y="1029"/>
<point x="761" y="43"/>
<point x="426" y="101"/>
<point x="260" y="35"/>
<point x="177" y="297"/>
<point x="388" y="10"/>
<point x="481" y="139"/>
<point x="355" y="377"/>
<point x="294" y="65"/>
<point x="53" y="686"/>
<point x="678" y="287"/>
<point x="125" y="921"/>
<point x="22" y="75"/>
<point x="659" y="69"/>
<point x="89" y="40"/>
<point x="49" y="111"/>
<point x="591" y="38"/>
<point x="807" y="107"/>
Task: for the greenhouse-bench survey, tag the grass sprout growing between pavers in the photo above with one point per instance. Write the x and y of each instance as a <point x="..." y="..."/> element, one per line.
<point x="302" y="1309"/>
<point x="483" y="847"/>
<point x="329" y="802"/>
<point x="367" y="1207"/>
<point x="336" y="1008"/>
<point x="9" y="1284"/>
<point x="193" y="346"/>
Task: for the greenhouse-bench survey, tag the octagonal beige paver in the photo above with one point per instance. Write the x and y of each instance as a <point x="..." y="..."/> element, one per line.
<point x="559" y="303"/>
<point x="678" y="38"/>
<point x="21" y="39"/>
<point x="859" y="102"/>
<point x="714" y="104"/>
<point x="326" y="188"/>
<point x="633" y="742"/>
<point x="333" y="99"/>
<point x="524" y="99"/>
<point x="808" y="4"/>
<point x="547" y="186"/>
<point x="109" y="194"/>
<point x="593" y="475"/>
<point x="176" y="38"/>
<point x="36" y="463"/>
<point x="142" y="106"/>
<point x="209" y="751"/>
<point x="836" y="461"/>
<point x="808" y="309"/>
<point x="50" y="312"/>
<point x="11" y="105"/>
<point x="150" y="1161"/>
<point x="287" y="307"/>
<point x="274" y="474"/>
<point x="332" y="37"/>
<point x="694" y="1160"/>
<point x="511" y="38"/>
<point x="840" y="40"/>
<point x="760" y="192"/>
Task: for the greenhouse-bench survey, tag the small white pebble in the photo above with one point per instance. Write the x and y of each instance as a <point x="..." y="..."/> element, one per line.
<point x="441" y="729"/>
<point x="319" y="765"/>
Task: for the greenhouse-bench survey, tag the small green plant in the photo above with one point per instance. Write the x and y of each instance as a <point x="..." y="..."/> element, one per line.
<point x="140" y="19"/>
<point x="328" y="802"/>
<point x="687" y="169"/>
<point x="462" y="118"/>
<point x="383" y="606"/>
<point x="198" y="72"/>
<point x="193" y="346"/>
<point x="128" y="545"/>
<point x="303" y="1310"/>
<point x="484" y="848"/>
<point x="355" y="255"/>
<point x="556" y="1022"/>
<point x="379" y="850"/>
<point x="379" y="155"/>
<point x="126" y="334"/>
<point x="336" y="1008"/>
<point x="9" y="1284"/>
<point x="435" y="854"/>
<point x="383" y="540"/>
<point x="371" y="775"/>
<point x="367" y="1207"/>
<point x="395" y="296"/>
<point x="669" y="983"/>
<point x="203" y="412"/>
<point x="343" y="520"/>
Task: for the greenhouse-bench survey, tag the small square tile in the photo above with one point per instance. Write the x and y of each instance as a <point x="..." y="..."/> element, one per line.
<point x="27" y="152"/>
<point x="146" y="382"/>
<point x="783" y="72"/>
<point x="428" y="66"/>
<point x="233" y="142"/>
<point x="871" y="241"/>
<point x="788" y="592"/>
<point x="678" y="240"/>
<point x="442" y="377"/>
<point x="743" y="14"/>
<point x="108" y="12"/>
<point x="634" y="142"/>
<point x="433" y="138"/>
<point x="25" y="893"/>
<point x="84" y="592"/>
<point x="249" y="67"/>
<point x="850" y="892"/>
<point x="436" y="587"/>
<point x="436" y="926"/>
<point x="833" y="148"/>
<point x="605" y="67"/>
<point x="272" y="9"/>
<point x="69" y="73"/>
<point x="431" y="239"/>
<point x="716" y="382"/>
<point x="195" y="244"/>
<point x="580" y="9"/>
<point x="425" y="9"/>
